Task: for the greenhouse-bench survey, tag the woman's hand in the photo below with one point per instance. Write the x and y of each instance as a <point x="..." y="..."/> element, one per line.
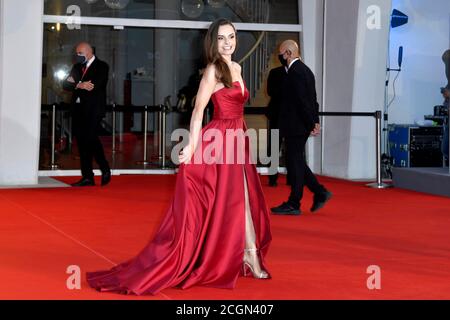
<point x="316" y="130"/>
<point x="186" y="154"/>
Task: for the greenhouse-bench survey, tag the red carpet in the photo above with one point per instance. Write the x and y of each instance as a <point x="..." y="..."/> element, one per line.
<point x="313" y="256"/>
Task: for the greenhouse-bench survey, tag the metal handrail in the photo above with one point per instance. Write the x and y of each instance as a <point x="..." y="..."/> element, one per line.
<point x="162" y="113"/>
<point x="379" y="184"/>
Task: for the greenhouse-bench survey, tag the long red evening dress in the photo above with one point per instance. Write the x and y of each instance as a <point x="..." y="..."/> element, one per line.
<point x="201" y="239"/>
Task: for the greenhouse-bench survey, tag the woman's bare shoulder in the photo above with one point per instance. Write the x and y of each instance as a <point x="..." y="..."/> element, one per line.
<point x="210" y="72"/>
<point x="236" y="65"/>
<point x="210" y="68"/>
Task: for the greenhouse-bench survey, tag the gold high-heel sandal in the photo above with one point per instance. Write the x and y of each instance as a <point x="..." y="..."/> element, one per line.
<point x="261" y="275"/>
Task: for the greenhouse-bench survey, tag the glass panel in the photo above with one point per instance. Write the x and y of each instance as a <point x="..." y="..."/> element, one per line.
<point x="147" y="67"/>
<point x="419" y="95"/>
<point x="254" y="11"/>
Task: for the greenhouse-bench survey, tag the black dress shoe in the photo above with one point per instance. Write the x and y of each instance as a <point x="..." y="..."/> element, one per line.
<point x="106" y="177"/>
<point x="84" y="182"/>
<point x="285" y="209"/>
<point x="320" y="199"/>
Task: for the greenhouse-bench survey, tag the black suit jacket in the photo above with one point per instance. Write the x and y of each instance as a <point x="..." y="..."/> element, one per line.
<point x="92" y="103"/>
<point x="299" y="107"/>
<point x="274" y="90"/>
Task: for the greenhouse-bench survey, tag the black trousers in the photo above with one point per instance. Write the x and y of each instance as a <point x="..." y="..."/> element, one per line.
<point x="273" y="125"/>
<point x="89" y="145"/>
<point x="300" y="174"/>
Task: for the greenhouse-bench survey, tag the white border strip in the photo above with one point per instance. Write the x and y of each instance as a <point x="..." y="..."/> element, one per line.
<point x="170" y="24"/>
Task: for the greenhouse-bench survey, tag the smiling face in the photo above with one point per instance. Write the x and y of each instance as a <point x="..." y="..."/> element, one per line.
<point x="226" y="40"/>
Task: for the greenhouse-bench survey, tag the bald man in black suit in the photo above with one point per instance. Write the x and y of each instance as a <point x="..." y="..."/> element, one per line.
<point x="298" y="120"/>
<point x="87" y="81"/>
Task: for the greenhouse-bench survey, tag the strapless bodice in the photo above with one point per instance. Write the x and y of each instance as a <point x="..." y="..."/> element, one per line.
<point x="229" y="102"/>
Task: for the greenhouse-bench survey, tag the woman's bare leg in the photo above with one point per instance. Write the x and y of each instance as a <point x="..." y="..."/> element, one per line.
<point x="251" y="254"/>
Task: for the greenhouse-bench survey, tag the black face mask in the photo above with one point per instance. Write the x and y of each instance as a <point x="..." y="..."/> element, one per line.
<point x="80" y="59"/>
<point x="283" y="61"/>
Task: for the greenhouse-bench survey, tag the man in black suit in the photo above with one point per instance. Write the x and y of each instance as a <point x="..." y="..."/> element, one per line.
<point x="274" y="86"/>
<point x="87" y="81"/>
<point x="298" y="120"/>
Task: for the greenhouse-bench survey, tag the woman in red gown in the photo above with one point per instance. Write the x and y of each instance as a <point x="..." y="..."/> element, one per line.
<point x="217" y="226"/>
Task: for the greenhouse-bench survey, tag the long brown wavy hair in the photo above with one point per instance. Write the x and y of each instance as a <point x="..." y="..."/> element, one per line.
<point x="212" y="55"/>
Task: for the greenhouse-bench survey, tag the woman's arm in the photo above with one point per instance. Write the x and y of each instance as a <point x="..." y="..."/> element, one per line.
<point x="206" y="89"/>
